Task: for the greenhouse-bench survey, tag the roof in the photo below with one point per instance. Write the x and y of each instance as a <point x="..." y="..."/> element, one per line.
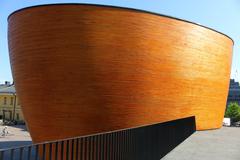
<point x="117" y="7"/>
<point x="8" y="90"/>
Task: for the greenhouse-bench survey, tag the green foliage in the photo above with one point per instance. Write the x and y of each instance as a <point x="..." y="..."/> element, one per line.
<point x="233" y="112"/>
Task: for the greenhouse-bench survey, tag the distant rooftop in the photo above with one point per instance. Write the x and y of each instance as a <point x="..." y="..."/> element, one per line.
<point x="6" y="84"/>
<point x="8" y="90"/>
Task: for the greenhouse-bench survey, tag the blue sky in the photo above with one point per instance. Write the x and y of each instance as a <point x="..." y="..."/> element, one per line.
<point x="222" y="15"/>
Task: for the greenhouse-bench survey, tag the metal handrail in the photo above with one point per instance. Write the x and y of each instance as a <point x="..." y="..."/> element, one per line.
<point x="138" y="143"/>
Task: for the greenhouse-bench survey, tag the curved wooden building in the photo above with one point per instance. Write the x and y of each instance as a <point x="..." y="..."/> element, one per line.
<point x="82" y="69"/>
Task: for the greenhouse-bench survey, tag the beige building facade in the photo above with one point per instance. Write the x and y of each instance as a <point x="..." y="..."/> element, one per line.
<point x="10" y="109"/>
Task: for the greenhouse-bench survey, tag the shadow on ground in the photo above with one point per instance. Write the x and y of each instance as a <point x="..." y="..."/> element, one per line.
<point x="22" y="127"/>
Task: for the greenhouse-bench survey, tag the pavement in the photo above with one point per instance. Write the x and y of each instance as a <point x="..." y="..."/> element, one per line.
<point x="220" y="144"/>
<point x="14" y="136"/>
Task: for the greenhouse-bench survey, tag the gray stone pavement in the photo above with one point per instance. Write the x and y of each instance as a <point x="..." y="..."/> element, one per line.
<point x="17" y="136"/>
<point x="221" y="144"/>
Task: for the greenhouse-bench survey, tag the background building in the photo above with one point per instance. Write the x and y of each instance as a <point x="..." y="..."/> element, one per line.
<point x="6" y="84"/>
<point x="10" y="109"/>
<point x="234" y="92"/>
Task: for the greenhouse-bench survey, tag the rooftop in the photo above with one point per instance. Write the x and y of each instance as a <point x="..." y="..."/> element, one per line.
<point x="8" y="90"/>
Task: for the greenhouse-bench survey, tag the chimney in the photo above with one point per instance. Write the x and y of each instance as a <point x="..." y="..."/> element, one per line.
<point x="7" y="83"/>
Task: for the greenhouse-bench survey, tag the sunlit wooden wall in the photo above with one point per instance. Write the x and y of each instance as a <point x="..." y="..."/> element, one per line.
<point x="83" y="69"/>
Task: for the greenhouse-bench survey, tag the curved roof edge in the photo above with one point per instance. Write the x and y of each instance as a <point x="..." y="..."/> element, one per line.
<point x="127" y="8"/>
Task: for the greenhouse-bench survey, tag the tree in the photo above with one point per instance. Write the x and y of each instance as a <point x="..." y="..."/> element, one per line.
<point x="233" y="112"/>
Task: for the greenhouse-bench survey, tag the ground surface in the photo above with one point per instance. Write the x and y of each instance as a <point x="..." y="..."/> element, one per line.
<point x="17" y="136"/>
<point x="221" y="144"/>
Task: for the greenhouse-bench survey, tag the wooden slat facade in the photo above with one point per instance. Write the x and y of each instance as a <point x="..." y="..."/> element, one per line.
<point x="84" y="69"/>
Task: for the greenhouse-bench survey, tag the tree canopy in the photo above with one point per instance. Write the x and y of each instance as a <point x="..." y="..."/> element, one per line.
<point x="233" y="112"/>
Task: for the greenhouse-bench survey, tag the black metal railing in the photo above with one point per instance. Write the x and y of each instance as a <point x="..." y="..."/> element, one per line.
<point x="150" y="142"/>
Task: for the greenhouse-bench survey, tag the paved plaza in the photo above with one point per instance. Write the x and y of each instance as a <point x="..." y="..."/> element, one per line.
<point x="221" y="144"/>
<point x="14" y="136"/>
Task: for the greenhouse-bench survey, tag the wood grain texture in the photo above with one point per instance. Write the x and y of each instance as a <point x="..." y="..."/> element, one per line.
<point x="83" y="69"/>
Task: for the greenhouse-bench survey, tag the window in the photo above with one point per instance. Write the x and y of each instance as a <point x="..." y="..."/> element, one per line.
<point x="11" y="102"/>
<point x="5" y="100"/>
